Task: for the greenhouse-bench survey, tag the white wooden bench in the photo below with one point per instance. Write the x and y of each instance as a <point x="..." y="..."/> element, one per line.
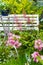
<point x="29" y="22"/>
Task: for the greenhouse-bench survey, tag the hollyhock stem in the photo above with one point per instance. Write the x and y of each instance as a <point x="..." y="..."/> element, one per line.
<point x="27" y="63"/>
<point x="16" y="51"/>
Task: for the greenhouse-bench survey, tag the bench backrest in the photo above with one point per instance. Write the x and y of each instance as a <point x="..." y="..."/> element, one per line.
<point x="16" y="22"/>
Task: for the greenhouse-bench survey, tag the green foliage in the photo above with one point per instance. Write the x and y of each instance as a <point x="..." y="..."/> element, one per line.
<point x="27" y="39"/>
<point x="20" y="7"/>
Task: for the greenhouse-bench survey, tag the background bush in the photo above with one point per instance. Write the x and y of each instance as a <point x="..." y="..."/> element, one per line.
<point x="21" y="6"/>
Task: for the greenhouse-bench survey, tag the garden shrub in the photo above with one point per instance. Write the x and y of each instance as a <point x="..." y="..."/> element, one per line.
<point x="21" y="7"/>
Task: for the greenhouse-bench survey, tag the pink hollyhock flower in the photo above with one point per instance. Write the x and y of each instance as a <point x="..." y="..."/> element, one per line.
<point x="13" y="42"/>
<point x="38" y="44"/>
<point x="17" y="44"/>
<point x="10" y="42"/>
<point x="35" y="55"/>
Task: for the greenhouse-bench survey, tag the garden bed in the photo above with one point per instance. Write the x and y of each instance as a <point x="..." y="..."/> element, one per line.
<point x="21" y="47"/>
<point x="27" y="48"/>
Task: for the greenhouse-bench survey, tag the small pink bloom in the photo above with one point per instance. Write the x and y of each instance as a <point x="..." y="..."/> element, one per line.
<point x="11" y="42"/>
<point x="17" y="46"/>
<point x="16" y="42"/>
<point x="40" y="48"/>
<point x="35" y="55"/>
<point x="38" y="44"/>
<point x="10" y="38"/>
<point x="35" y="60"/>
